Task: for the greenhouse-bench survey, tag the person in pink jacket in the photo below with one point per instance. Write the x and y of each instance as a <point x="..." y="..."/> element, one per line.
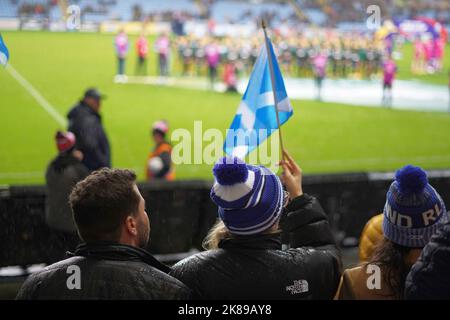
<point x="162" y="48"/>
<point x="121" y="45"/>
<point x="389" y="71"/>
<point x="142" y="51"/>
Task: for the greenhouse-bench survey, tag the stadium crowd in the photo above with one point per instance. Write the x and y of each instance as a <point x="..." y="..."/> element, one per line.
<point x="405" y="251"/>
<point x="335" y="12"/>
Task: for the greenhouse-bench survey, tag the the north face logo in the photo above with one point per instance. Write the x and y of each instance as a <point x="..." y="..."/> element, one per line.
<point x="299" y="286"/>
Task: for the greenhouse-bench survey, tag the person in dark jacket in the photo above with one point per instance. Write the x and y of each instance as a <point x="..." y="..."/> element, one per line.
<point x="86" y="123"/>
<point x="62" y="174"/>
<point x="245" y="259"/>
<point x="429" y="277"/>
<point x="111" y="220"/>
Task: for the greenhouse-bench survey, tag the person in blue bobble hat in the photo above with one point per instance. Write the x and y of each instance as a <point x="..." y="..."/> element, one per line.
<point x="413" y="213"/>
<point x="244" y="257"/>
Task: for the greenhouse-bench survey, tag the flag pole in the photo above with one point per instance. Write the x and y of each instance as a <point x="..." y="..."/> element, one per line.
<point x="272" y="79"/>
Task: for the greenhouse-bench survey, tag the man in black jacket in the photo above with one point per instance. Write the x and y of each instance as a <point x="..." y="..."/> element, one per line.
<point x="86" y="123"/>
<point x="110" y="216"/>
<point x="245" y="259"/>
<point x="429" y="277"/>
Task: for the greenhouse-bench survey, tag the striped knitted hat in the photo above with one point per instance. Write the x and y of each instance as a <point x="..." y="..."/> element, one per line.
<point x="250" y="198"/>
<point x="413" y="210"/>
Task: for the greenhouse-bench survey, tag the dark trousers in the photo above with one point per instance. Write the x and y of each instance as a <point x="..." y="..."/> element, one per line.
<point x="212" y="74"/>
<point x="163" y="65"/>
<point x="141" y="66"/>
<point x="121" y="66"/>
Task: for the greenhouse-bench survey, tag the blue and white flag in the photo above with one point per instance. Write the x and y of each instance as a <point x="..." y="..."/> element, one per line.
<point x="4" y="53"/>
<point x="256" y="117"/>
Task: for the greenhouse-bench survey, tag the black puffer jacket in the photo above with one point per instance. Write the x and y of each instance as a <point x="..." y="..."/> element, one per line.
<point x="429" y="277"/>
<point x="107" y="271"/>
<point x="86" y="124"/>
<point x="256" y="267"/>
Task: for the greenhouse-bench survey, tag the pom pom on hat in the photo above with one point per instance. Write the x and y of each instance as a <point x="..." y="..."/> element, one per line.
<point x="230" y="170"/>
<point x="411" y="179"/>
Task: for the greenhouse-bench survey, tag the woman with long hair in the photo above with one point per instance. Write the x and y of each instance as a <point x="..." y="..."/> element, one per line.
<point x="244" y="258"/>
<point x="412" y="214"/>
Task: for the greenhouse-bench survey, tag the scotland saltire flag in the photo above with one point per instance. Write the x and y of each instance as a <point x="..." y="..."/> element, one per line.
<point x="256" y="115"/>
<point x="4" y="53"/>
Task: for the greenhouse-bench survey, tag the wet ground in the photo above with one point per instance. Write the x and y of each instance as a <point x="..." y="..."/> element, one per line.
<point x="407" y="94"/>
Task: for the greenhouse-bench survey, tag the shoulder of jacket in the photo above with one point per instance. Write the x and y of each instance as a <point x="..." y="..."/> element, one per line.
<point x="197" y="260"/>
<point x="318" y="260"/>
<point x="55" y="268"/>
<point x="354" y="272"/>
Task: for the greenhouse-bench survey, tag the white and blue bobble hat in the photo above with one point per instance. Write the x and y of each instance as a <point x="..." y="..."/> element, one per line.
<point x="414" y="210"/>
<point x="250" y="198"/>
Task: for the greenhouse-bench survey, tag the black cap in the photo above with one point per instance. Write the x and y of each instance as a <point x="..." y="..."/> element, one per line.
<point x="93" y="93"/>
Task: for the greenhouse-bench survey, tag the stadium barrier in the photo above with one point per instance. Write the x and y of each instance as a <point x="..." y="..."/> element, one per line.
<point x="181" y="213"/>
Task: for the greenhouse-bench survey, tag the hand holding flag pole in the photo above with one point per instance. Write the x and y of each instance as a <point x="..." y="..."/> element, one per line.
<point x="272" y="79"/>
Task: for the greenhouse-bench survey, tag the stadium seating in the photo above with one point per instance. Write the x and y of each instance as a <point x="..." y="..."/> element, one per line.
<point x="318" y="12"/>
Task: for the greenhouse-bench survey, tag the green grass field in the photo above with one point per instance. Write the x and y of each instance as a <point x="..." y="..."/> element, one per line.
<point x="322" y="137"/>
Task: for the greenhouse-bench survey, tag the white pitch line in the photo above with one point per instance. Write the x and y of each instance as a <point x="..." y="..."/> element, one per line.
<point x="51" y="110"/>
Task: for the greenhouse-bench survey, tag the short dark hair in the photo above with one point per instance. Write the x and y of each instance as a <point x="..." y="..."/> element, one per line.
<point x="102" y="201"/>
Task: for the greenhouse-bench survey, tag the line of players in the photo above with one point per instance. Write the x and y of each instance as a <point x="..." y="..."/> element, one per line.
<point x="358" y="56"/>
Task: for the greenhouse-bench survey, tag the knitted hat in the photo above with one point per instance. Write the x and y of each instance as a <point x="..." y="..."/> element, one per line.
<point x="413" y="209"/>
<point x="161" y="126"/>
<point x="65" y="141"/>
<point x="250" y="198"/>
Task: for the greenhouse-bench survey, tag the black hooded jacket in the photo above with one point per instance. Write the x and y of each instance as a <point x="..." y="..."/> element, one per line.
<point x="107" y="271"/>
<point x="429" y="277"/>
<point x="256" y="267"/>
<point x="86" y="124"/>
